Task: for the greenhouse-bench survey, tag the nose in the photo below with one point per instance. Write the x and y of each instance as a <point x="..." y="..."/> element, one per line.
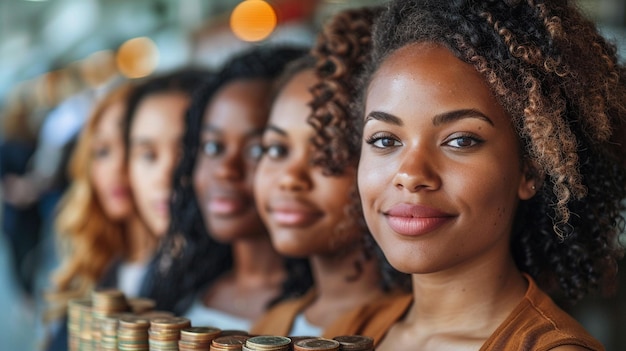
<point x="417" y="171"/>
<point x="230" y="166"/>
<point x="296" y="176"/>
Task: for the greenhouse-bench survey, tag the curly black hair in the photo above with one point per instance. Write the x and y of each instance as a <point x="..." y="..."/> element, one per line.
<point x="191" y="259"/>
<point x="560" y="82"/>
<point x="340" y="52"/>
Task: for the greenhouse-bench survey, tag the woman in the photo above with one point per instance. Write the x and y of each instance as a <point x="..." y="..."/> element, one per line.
<point x="237" y="273"/>
<point x="307" y="195"/>
<point x="100" y="231"/>
<point x="154" y="125"/>
<point x="491" y="169"/>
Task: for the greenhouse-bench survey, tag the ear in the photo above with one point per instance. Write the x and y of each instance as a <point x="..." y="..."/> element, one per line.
<point x="531" y="181"/>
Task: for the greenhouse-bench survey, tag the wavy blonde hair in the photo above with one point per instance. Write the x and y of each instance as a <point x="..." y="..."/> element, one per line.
<point x="88" y="240"/>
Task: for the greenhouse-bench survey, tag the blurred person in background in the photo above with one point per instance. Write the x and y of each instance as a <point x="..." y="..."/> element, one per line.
<point x="21" y="222"/>
<point x="101" y="235"/>
<point x="154" y="124"/>
<point x="218" y="247"/>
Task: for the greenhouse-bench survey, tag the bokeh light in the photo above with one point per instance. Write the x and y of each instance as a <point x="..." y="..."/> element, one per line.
<point x="253" y="20"/>
<point x="137" y="57"/>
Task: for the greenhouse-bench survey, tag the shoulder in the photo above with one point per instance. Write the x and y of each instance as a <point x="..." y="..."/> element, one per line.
<point x="279" y="318"/>
<point x="376" y="318"/>
<point x="538" y="321"/>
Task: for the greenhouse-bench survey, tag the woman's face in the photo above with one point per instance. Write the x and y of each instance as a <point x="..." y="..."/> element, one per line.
<point x="230" y="148"/>
<point x="440" y="174"/>
<point x="107" y="169"/>
<point x="304" y="210"/>
<point x="155" y="139"/>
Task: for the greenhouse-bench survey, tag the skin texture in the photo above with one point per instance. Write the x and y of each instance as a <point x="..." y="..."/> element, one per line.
<point x="464" y="171"/>
<point x="223" y="182"/>
<point x="155" y="137"/>
<point x="108" y="171"/>
<point x="306" y="210"/>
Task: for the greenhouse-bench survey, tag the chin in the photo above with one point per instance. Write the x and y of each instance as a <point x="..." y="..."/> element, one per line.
<point x="291" y="249"/>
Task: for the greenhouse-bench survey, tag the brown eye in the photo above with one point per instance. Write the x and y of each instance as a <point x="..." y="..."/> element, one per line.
<point x="463" y="142"/>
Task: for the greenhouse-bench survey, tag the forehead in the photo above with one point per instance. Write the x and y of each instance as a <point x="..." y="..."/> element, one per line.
<point x="160" y="113"/>
<point x="428" y="78"/>
<point x="240" y="101"/>
<point x="292" y="103"/>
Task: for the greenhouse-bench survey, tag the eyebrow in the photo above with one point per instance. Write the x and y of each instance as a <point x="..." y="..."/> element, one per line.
<point x="384" y="117"/>
<point x="141" y="141"/>
<point x="451" y="116"/>
<point x="442" y="118"/>
<point x="276" y="129"/>
<point x="213" y="129"/>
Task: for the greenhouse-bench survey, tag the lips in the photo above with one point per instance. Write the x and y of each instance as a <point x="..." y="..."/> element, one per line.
<point x="415" y="220"/>
<point x="226" y="205"/>
<point x="162" y="207"/>
<point x="293" y="213"/>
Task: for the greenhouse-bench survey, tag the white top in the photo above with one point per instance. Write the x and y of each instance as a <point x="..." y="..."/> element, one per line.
<point x="201" y="315"/>
<point x="302" y="327"/>
<point x="130" y="276"/>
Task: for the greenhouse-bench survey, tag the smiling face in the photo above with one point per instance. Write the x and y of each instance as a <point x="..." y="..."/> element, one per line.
<point x="107" y="168"/>
<point x="155" y="140"/>
<point x="304" y="210"/>
<point x="230" y="150"/>
<point x="440" y="174"/>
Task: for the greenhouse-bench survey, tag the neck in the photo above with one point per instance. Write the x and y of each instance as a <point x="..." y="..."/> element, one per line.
<point x="256" y="263"/>
<point x="141" y="244"/>
<point x="342" y="282"/>
<point x="488" y="292"/>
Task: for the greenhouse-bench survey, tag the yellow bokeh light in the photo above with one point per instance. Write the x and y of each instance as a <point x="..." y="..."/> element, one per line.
<point x="137" y="57"/>
<point x="253" y="20"/>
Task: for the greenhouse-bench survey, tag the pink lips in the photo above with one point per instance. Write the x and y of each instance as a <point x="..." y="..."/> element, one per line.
<point x="294" y="214"/>
<point x="226" y="206"/>
<point x="415" y="220"/>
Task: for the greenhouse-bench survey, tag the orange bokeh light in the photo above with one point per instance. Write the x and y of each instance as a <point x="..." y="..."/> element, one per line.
<point x="253" y="20"/>
<point x="137" y="57"/>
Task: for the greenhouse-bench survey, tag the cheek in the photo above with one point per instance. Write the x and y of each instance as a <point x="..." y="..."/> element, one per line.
<point x="200" y="178"/>
<point x="370" y="179"/>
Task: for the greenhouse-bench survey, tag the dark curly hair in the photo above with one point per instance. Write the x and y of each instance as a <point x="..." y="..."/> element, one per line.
<point x="191" y="259"/>
<point x="340" y="52"/>
<point x="560" y="82"/>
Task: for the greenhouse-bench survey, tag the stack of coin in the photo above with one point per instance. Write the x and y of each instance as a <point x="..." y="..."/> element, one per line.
<point x="108" y="332"/>
<point x="164" y="333"/>
<point x="267" y="343"/>
<point x="319" y="344"/>
<point x="229" y="343"/>
<point x="355" y="342"/>
<point x="77" y="310"/>
<point x="197" y="338"/>
<point x="132" y="333"/>
<point x="105" y="303"/>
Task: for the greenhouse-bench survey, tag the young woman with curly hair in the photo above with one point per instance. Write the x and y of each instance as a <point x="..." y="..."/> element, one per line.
<point x="98" y="226"/>
<point x="219" y="266"/>
<point x="307" y="194"/>
<point x="493" y="169"/>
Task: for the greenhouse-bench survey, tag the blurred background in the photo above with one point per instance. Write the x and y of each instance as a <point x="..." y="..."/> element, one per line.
<point x="55" y="52"/>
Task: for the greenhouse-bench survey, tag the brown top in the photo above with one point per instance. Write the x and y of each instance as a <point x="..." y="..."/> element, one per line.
<point x="536" y="323"/>
<point x="373" y="319"/>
